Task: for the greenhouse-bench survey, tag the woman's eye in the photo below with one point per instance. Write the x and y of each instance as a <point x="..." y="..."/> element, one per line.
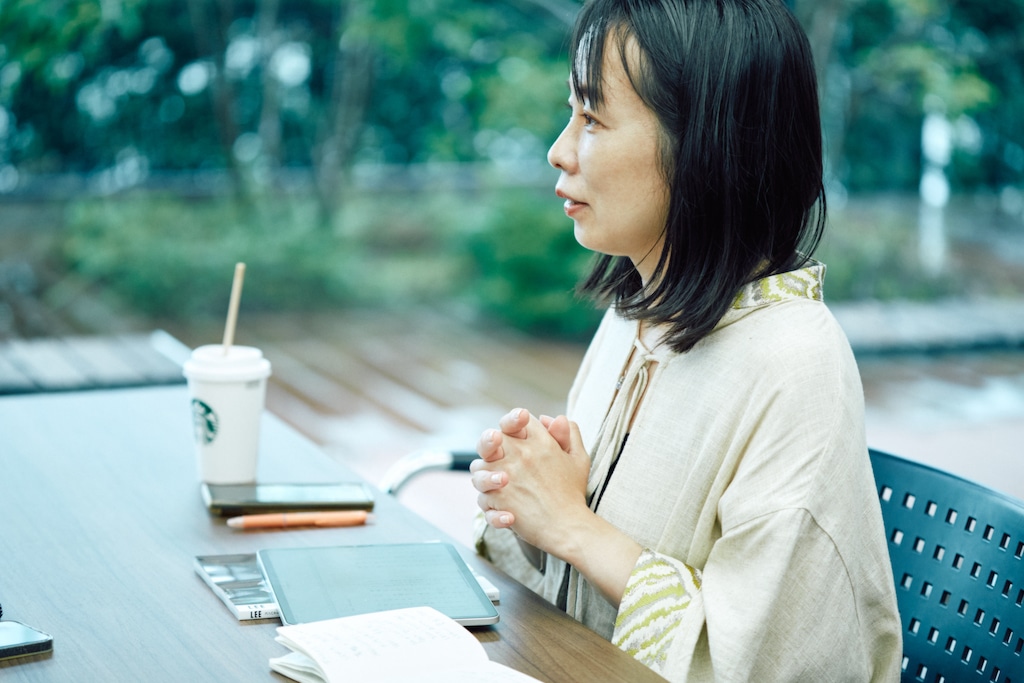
<point x="575" y="110"/>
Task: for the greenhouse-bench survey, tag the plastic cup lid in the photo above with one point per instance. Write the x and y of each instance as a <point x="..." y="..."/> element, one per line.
<point x="210" y="364"/>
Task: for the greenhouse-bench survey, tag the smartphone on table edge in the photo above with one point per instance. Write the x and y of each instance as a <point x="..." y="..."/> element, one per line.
<point x="244" y="499"/>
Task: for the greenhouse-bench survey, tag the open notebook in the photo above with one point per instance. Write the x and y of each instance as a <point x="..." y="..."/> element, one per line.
<point x="413" y="644"/>
<point x="313" y="584"/>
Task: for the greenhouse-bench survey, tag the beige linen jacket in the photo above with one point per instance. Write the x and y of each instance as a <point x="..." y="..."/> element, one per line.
<point x="747" y="462"/>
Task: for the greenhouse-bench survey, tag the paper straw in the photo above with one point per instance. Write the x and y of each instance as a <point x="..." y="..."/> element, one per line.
<point x="236" y="295"/>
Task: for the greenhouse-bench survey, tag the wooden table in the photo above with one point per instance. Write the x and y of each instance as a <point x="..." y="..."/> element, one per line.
<point x="100" y="518"/>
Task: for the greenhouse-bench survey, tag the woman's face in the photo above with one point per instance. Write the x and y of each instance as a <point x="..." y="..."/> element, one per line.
<point x="611" y="177"/>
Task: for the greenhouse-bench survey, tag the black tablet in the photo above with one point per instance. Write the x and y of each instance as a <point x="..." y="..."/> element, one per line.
<point x="312" y="584"/>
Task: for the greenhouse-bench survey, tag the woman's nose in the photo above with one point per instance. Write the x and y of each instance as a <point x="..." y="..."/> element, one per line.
<point x="562" y="154"/>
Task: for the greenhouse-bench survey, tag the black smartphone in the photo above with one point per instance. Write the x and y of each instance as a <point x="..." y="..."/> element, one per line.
<point x="19" y="640"/>
<point x="243" y="499"/>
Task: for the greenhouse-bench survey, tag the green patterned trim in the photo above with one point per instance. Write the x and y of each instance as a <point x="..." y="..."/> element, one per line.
<point x="658" y="590"/>
<point x="805" y="283"/>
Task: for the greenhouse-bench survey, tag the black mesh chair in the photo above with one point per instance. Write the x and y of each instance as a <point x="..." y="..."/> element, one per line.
<point x="957" y="551"/>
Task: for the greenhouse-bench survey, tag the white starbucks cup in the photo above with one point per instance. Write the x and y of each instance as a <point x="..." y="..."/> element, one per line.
<point x="228" y="393"/>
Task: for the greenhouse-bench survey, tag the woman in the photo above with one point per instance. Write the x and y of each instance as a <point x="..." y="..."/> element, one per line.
<point x="708" y="503"/>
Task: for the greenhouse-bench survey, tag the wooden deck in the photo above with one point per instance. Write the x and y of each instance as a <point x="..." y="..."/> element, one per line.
<point x="369" y="384"/>
<point x="370" y="389"/>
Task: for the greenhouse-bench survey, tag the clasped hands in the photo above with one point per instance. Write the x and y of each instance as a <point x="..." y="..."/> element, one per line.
<point x="532" y="477"/>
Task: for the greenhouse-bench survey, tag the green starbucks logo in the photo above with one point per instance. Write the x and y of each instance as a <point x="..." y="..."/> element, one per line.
<point x="204" y="422"/>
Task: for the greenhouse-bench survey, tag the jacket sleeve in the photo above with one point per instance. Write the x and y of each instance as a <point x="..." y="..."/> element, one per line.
<point x="659" y="592"/>
<point x="744" y="616"/>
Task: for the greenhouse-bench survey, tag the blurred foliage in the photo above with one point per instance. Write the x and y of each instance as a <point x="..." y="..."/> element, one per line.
<point x="84" y="81"/>
<point x="504" y="254"/>
<point x="508" y="256"/>
<point x="528" y="264"/>
<point x="876" y="249"/>
<point x="870" y="254"/>
<point x="172" y="258"/>
<point x="898" y="59"/>
<point x="265" y="85"/>
<point x="306" y="108"/>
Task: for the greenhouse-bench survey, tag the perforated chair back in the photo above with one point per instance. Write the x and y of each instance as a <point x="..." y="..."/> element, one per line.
<point x="957" y="552"/>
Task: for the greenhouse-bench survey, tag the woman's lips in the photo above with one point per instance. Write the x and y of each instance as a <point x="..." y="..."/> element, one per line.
<point x="571" y="206"/>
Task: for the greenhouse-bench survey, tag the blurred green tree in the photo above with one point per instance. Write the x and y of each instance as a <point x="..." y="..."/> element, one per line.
<point x="256" y="86"/>
<point x="883" y="63"/>
<point x="347" y="104"/>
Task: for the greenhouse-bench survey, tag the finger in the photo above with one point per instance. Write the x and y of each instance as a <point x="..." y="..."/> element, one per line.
<point x="499" y="519"/>
<point x="514" y="423"/>
<point x="577" y="451"/>
<point x="489" y="447"/>
<point x="575" y="439"/>
<point x="559" y="428"/>
<point x="485" y="481"/>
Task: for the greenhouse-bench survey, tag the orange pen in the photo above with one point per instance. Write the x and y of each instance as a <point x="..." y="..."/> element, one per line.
<point x="284" y="520"/>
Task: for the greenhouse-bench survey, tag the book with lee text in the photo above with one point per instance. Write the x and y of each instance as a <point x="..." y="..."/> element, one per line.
<point x="239" y="583"/>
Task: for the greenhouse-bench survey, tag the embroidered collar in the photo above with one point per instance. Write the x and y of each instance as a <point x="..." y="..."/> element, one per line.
<point x="805" y="283"/>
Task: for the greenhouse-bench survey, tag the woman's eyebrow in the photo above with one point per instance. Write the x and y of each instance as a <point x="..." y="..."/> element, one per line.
<point x="582" y="93"/>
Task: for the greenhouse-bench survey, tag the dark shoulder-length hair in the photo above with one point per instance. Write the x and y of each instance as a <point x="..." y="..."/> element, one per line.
<point x="733" y="85"/>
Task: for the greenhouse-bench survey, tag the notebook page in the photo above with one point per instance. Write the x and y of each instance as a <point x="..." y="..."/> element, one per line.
<point x="384" y="644"/>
